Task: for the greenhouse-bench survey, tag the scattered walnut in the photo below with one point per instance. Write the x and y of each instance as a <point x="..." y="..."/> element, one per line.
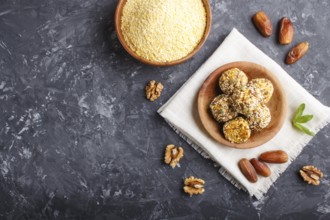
<point x="173" y="155"/>
<point x="311" y="174"/>
<point x="193" y="186"/>
<point x="153" y="90"/>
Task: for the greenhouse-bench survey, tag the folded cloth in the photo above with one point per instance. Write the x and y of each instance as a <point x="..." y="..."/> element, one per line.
<point x="182" y="115"/>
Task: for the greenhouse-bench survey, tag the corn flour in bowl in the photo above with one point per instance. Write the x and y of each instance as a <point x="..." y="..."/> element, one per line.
<point x="162" y="32"/>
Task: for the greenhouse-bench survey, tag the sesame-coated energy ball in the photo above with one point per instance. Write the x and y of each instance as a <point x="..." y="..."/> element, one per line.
<point x="246" y="100"/>
<point x="221" y="108"/>
<point x="265" y="86"/>
<point x="255" y="91"/>
<point x="231" y="80"/>
<point x="259" y="118"/>
<point x="237" y="130"/>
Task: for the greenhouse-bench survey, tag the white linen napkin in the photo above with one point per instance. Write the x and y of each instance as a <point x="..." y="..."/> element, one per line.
<point x="182" y="115"/>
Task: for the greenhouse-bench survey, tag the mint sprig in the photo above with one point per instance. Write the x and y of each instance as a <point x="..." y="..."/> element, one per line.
<point x="304" y="118"/>
<point x="298" y="119"/>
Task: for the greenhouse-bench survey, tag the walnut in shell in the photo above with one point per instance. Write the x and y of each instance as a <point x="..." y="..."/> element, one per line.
<point x="173" y="155"/>
<point x="193" y="186"/>
<point x="311" y="174"/>
<point x="153" y="90"/>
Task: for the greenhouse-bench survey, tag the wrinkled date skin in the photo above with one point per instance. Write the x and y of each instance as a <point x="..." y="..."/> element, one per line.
<point x="285" y="31"/>
<point x="297" y="52"/>
<point x="276" y="156"/>
<point x="263" y="23"/>
<point x="248" y="170"/>
<point x="260" y="167"/>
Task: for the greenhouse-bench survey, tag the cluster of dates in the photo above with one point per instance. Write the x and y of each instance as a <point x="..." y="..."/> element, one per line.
<point x="285" y="35"/>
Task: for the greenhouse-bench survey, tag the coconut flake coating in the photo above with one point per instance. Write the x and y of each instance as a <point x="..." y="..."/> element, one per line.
<point x="259" y="118"/>
<point x="255" y="91"/>
<point x="265" y="86"/>
<point x="237" y="130"/>
<point x="221" y="108"/>
<point x="246" y="100"/>
<point x="231" y="80"/>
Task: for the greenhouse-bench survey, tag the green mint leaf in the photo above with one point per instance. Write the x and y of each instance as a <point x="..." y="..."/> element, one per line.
<point x="299" y="112"/>
<point x="303" y="129"/>
<point x="304" y="118"/>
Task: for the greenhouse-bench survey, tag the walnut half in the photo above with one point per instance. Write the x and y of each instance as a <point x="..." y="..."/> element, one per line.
<point x="153" y="90"/>
<point x="173" y="155"/>
<point x="193" y="186"/>
<point x="311" y="174"/>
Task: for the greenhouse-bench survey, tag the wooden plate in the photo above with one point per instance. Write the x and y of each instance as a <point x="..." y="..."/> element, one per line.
<point x="277" y="105"/>
<point x="118" y="14"/>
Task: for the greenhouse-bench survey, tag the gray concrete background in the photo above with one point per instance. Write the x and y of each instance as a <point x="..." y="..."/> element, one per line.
<point x="78" y="139"/>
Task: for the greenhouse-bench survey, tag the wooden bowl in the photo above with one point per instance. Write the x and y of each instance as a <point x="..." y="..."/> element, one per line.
<point x="118" y="14"/>
<point x="277" y="105"/>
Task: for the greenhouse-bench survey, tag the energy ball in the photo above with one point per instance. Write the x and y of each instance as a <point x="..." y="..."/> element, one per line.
<point x="265" y="86"/>
<point x="246" y="100"/>
<point x="255" y="91"/>
<point x="259" y="118"/>
<point x="221" y="108"/>
<point x="231" y="80"/>
<point x="237" y="130"/>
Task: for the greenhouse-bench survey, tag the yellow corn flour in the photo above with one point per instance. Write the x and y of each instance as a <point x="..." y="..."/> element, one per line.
<point x="163" y="30"/>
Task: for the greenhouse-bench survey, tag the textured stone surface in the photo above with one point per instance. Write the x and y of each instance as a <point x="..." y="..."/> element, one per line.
<point x="78" y="139"/>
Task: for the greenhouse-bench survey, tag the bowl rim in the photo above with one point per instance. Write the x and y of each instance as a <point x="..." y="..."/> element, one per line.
<point x="118" y="13"/>
<point x="246" y="145"/>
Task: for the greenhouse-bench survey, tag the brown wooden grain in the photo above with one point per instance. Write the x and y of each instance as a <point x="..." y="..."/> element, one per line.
<point x="118" y="14"/>
<point x="277" y="105"/>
